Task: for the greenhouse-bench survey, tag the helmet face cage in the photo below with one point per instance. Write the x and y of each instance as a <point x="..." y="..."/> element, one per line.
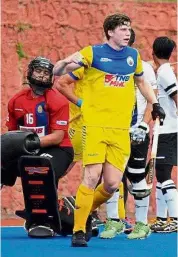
<point x="42" y="63"/>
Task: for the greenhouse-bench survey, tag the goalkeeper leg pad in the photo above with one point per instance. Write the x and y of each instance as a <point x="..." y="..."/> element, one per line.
<point x="40" y="196"/>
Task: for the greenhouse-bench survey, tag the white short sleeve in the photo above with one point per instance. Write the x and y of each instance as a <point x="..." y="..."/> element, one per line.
<point x="167" y="79"/>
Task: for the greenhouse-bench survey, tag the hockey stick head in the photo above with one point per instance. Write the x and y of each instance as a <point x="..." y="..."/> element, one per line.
<point x="138" y="193"/>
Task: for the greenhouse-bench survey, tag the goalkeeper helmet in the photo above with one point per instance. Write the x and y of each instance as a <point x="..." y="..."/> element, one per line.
<point x="40" y="75"/>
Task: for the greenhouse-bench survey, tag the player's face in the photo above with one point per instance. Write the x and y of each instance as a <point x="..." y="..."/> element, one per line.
<point x="41" y="74"/>
<point x="120" y="35"/>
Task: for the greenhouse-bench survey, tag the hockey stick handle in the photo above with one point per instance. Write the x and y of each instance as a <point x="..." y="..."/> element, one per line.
<point x="155" y="139"/>
<point x="151" y="165"/>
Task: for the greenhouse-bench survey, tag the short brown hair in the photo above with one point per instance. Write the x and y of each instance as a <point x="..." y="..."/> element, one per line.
<point x="112" y="21"/>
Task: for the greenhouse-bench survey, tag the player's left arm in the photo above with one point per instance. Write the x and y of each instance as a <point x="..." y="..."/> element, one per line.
<point x="147" y="92"/>
<point x="65" y="87"/>
<point x="151" y="78"/>
<point x="142" y="84"/>
<point x="147" y="114"/>
<point x="59" y="125"/>
<point x="174" y="97"/>
<point x="65" y="83"/>
<point x="146" y="89"/>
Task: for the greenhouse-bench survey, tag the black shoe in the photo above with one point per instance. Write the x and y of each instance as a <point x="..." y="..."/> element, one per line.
<point x="41" y="231"/>
<point x="78" y="239"/>
<point x="89" y="226"/>
<point x="95" y="229"/>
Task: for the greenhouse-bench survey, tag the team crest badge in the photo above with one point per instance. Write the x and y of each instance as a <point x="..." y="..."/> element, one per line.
<point x="40" y="109"/>
<point x="130" y="61"/>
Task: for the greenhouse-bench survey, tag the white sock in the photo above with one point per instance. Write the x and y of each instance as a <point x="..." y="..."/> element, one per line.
<point x="170" y="195"/>
<point x="141" y="205"/>
<point x="141" y="209"/>
<point x="161" y="206"/>
<point x="112" y="206"/>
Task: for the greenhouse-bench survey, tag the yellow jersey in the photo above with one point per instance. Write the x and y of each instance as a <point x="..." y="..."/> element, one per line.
<point x="108" y="85"/>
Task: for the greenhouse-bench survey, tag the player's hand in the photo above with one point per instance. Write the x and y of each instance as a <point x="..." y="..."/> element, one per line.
<point x="158" y="112"/>
<point x="138" y="135"/>
<point x="32" y="144"/>
<point x="75" y="58"/>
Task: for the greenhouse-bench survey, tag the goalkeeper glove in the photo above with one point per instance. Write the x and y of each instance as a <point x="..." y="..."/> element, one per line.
<point x="138" y="134"/>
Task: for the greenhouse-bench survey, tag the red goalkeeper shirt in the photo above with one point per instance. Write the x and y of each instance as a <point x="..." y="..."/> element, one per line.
<point x="41" y="114"/>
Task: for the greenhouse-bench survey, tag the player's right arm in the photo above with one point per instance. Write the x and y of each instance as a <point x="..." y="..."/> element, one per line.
<point x="74" y="61"/>
<point x="11" y="121"/>
<point x="69" y="64"/>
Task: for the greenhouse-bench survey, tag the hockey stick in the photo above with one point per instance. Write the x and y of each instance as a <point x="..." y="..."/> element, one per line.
<point x="150" y="168"/>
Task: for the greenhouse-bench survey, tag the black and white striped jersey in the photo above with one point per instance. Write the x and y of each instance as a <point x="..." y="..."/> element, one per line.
<point x="167" y="87"/>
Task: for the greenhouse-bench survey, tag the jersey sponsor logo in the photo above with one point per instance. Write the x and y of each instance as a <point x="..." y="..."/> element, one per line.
<point x="38" y="170"/>
<point x="116" y="80"/>
<point x="61" y="122"/>
<point x="40" y="131"/>
<point x="105" y="60"/>
<point x="130" y="61"/>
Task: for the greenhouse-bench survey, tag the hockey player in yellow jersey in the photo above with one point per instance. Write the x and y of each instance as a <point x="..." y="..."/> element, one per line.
<point x="110" y="71"/>
<point x="65" y="84"/>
